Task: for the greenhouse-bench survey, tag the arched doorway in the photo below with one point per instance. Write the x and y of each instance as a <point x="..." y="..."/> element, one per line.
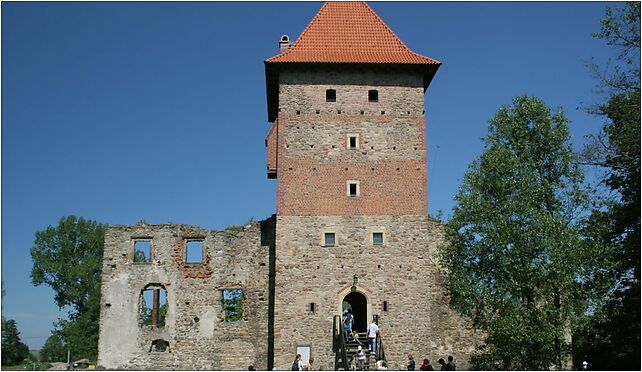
<point x="357" y="303"/>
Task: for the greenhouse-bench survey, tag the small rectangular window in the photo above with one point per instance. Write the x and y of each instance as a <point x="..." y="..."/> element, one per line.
<point x="193" y="251"/>
<point x="373" y="96"/>
<point x="233" y="304"/>
<point x="377" y="238"/>
<point x="330" y="95"/>
<point x="353" y="141"/>
<point x="329" y="239"/>
<point x="312" y="307"/>
<point x="353" y="188"/>
<point x="385" y="306"/>
<point x="142" y="251"/>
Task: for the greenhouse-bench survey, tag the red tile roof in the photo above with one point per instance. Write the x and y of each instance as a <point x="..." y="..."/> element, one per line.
<point x="349" y="32"/>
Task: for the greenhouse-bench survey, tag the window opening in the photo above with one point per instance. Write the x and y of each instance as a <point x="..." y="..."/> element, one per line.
<point x="385" y="306"/>
<point x="159" y="346"/>
<point x="194" y="251"/>
<point x="330" y="95"/>
<point x="373" y="96"/>
<point x="377" y="238"/>
<point x="153" y="306"/>
<point x="353" y="188"/>
<point x="329" y="239"/>
<point x="142" y="251"/>
<point x="312" y="307"/>
<point x="233" y="304"/>
<point x="353" y="142"/>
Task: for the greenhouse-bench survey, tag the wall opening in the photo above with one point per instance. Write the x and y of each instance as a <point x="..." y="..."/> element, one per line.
<point x="159" y="346"/>
<point x="330" y="95"/>
<point x="373" y="96"/>
<point x="153" y="306"/>
<point x="377" y="238"/>
<point x="194" y="252"/>
<point x="353" y="188"/>
<point x="233" y="304"/>
<point x="142" y="251"/>
<point x="357" y="303"/>
<point x="329" y="239"/>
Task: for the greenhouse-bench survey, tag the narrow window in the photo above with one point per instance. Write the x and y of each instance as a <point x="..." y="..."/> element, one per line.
<point x="194" y="251"/>
<point x="353" y="141"/>
<point x="330" y="95"/>
<point x="385" y="306"/>
<point x="329" y="239"/>
<point x="233" y="304"/>
<point x="373" y="96"/>
<point x="312" y="307"/>
<point x="377" y="238"/>
<point x="142" y="251"/>
<point x="153" y="306"/>
<point x="353" y="188"/>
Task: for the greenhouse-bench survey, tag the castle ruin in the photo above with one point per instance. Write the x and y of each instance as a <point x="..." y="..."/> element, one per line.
<point x="347" y="147"/>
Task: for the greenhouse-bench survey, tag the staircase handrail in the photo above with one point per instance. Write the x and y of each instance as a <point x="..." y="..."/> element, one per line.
<point x="339" y="345"/>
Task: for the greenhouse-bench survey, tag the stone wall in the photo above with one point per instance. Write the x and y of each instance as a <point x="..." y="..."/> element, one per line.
<point x="402" y="272"/>
<point x="198" y="336"/>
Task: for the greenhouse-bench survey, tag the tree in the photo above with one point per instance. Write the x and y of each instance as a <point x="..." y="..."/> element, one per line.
<point x="54" y="349"/>
<point x="514" y="250"/>
<point x="68" y="258"/>
<point x="610" y="336"/>
<point x="14" y="351"/>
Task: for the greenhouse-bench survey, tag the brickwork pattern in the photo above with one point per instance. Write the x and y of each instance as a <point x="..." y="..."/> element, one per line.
<point x="315" y="162"/>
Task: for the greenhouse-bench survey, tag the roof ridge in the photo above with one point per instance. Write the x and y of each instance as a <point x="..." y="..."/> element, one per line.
<point x="368" y="38"/>
<point x="369" y="8"/>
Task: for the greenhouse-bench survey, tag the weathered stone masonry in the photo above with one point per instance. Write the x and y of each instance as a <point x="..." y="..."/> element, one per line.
<point x="198" y="336"/>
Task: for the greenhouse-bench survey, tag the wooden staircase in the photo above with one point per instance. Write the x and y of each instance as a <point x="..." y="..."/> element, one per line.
<point x="346" y="358"/>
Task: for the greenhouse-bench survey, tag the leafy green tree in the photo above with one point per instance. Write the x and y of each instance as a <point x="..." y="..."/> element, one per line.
<point x="54" y="349"/>
<point x="610" y="336"/>
<point x="514" y="248"/>
<point x="68" y="258"/>
<point x="14" y="351"/>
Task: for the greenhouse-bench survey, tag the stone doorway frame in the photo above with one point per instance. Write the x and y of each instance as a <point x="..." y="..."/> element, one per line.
<point x="366" y="292"/>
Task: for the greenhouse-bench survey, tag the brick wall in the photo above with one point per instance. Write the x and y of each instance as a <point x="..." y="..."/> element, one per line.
<point x="315" y="161"/>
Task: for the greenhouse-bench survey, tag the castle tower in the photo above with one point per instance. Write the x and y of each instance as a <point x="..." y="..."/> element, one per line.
<point x="347" y="147"/>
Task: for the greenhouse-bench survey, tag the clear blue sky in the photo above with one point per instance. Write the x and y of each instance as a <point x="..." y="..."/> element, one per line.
<point x="121" y="112"/>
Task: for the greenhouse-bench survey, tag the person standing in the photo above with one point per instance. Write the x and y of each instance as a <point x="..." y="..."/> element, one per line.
<point x="361" y="356"/>
<point x="297" y="365"/>
<point x="442" y="363"/>
<point x="451" y="365"/>
<point x="310" y="366"/>
<point x="426" y="366"/>
<point x="411" y="363"/>
<point x="373" y="329"/>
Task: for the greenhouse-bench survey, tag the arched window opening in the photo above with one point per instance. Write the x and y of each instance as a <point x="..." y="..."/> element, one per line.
<point x="153" y="306"/>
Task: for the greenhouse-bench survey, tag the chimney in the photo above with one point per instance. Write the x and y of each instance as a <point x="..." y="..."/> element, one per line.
<point x="284" y="43"/>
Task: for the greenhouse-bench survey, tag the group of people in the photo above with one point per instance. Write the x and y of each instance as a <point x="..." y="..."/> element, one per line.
<point x="297" y="365"/>
<point x="426" y="366"/>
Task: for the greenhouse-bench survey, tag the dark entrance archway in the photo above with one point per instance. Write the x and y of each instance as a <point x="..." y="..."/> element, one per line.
<point x="357" y="303"/>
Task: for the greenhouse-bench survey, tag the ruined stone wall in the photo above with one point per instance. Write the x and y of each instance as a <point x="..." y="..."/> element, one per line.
<point x="403" y="272"/>
<point x="198" y="336"/>
<point x="314" y="159"/>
